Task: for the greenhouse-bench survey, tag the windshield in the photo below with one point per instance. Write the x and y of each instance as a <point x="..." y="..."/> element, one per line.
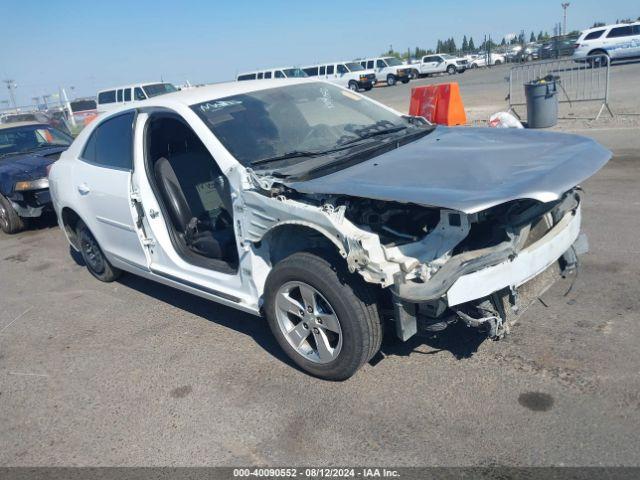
<point x="312" y="117"/>
<point x="447" y="56"/>
<point x="393" y="61"/>
<point x="354" y="67"/>
<point x="31" y="137"/>
<point x="158" y="89"/>
<point x="294" y="73"/>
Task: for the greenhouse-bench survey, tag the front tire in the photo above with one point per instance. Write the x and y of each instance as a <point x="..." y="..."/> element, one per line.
<point x="94" y="259"/>
<point x="391" y="80"/>
<point x="353" y="86"/>
<point x="451" y="69"/>
<point x="10" y="221"/>
<point x="324" y="318"/>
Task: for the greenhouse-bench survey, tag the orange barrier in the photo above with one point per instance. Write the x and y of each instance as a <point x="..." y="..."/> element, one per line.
<point x="441" y="104"/>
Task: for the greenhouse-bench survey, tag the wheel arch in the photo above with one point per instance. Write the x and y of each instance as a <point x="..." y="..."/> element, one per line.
<point x="70" y="219"/>
<point x="287" y="238"/>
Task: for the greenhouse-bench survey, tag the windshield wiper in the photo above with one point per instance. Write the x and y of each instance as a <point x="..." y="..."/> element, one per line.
<point x="375" y="133"/>
<point x="286" y="156"/>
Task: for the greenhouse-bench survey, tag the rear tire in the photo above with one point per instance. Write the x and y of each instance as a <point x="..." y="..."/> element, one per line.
<point x="10" y="221"/>
<point x="342" y="298"/>
<point x="599" y="62"/>
<point x="94" y="259"/>
<point x="391" y="80"/>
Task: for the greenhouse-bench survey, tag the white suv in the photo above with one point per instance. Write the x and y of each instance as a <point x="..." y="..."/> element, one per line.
<point x="442" y="63"/>
<point x="319" y="208"/>
<point x="388" y="69"/>
<point x="616" y="41"/>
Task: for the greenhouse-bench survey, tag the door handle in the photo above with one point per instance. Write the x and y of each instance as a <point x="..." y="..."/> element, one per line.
<point x="83" y="189"/>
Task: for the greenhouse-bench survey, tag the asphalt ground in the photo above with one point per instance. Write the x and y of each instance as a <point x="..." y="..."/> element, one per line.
<point x="135" y="373"/>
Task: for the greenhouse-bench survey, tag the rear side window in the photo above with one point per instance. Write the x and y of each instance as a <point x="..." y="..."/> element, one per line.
<point x="127" y="95"/>
<point x="260" y="76"/>
<point x="620" y="32"/>
<point x="111" y="143"/>
<point x="594" y="35"/>
<point x="329" y="69"/>
<point x="323" y="70"/>
<point x="107" y="97"/>
<point x="267" y="75"/>
<point x="139" y="94"/>
<point x="119" y="96"/>
<point x="311" y="71"/>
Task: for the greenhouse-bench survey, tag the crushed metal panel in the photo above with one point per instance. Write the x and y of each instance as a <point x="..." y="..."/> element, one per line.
<point x="469" y="169"/>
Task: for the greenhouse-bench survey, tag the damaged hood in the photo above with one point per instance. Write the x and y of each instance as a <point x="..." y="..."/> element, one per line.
<point x="469" y="169"/>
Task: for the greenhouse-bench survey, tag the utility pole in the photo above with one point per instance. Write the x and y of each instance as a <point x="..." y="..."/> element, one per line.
<point x="11" y="85"/>
<point x="565" y="6"/>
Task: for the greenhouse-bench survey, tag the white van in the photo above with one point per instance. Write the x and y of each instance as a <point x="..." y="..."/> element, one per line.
<point x="616" y="41"/>
<point x="388" y="69"/>
<point x="280" y="72"/>
<point x="117" y="96"/>
<point x="346" y="74"/>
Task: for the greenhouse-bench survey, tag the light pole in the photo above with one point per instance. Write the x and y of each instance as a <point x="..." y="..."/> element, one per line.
<point x="565" y="6"/>
<point x="11" y="85"/>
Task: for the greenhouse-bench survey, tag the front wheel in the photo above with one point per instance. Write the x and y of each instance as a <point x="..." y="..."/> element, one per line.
<point x="94" y="259"/>
<point x="497" y="62"/>
<point x="324" y="318"/>
<point x="10" y="221"/>
<point x="391" y="80"/>
<point x="353" y="86"/>
<point x="451" y="69"/>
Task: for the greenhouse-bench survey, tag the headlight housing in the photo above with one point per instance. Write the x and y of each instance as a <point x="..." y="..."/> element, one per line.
<point x="37" y="184"/>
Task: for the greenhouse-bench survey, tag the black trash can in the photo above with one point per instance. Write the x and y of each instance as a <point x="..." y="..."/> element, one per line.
<point x="542" y="103"/>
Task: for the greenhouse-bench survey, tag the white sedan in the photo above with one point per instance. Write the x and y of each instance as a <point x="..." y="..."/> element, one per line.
<point x="319" y="208"/>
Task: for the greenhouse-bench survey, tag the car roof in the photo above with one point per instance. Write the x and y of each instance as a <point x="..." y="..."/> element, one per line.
<point x="133" y="85"/>
<point x="20" y="124"/>
<point x="613" y="25"/>
<point x="215" y="91"/>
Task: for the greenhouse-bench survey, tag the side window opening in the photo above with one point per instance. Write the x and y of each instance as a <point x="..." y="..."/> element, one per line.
<point x="193" y="190"/>
<point x="342" y="69"/>
<point x="139" y="94"/>
<point x="279" y="74"/>
<point x="127" y="95"/>
<point x="267" y="75"/>
<point x="329" y="69"/>
<point x="119" y="95"/>
<point x="322" y="70"/>
<point x="380" y="64"/>
<point x="107" y="97"/>
<point x="260" y="76"/>
<point x="111" y="143"/>
<point x="370" y="64"/>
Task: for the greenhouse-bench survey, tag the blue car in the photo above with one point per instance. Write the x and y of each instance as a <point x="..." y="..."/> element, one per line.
<point x="27" y="149"/>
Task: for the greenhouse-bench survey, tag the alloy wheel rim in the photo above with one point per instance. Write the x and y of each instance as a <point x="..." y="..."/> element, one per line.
<point x="92" y="255"/>
<point x="4" y="217"/>
<point x="308" y="322"/>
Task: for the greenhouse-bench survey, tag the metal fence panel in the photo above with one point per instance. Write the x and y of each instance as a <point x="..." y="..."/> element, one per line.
<point x="586" y="81"/>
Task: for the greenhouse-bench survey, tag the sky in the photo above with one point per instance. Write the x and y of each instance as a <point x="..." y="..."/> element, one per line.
<point x="87" y="45"/>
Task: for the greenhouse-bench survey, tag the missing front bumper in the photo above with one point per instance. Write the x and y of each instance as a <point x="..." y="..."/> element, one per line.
<point x="499" y="272"/>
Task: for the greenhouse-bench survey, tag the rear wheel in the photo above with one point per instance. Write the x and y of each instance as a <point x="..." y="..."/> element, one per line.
<point x="96" y="262"/>
<point x="324" y="318"/>
<point x="10" y="221"/>
<point x="391" y="80"/>
<point x="497" y="62"/>
<point x="600" y="58"/>
<point x="451" y="69"/>
<point x="353" y="86"/>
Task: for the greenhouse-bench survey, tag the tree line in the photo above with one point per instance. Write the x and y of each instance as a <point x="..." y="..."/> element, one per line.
<point x="469" y="46"/>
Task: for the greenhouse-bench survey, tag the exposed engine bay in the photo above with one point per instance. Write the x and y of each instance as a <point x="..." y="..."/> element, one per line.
<point x="419" y="254"/>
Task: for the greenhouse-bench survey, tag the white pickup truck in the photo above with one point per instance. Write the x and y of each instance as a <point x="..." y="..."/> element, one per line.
<point x="442" y="63"/>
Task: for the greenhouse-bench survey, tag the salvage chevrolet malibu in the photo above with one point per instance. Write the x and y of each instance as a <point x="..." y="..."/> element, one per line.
<point x="325" y="211"/>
